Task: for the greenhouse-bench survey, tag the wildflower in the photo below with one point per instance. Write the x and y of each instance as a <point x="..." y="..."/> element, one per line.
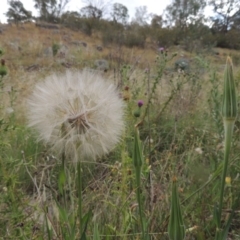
<point x="78" y="113"/>
<point x="161" y="49"/>
<point x="140" y="103"/>
<point x="137" y="112"/>
<point x="228" y="181"/>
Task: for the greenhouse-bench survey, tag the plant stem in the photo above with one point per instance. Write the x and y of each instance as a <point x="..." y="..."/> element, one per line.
<point x="79" y="177"/>
<point x="138" y="180"/>
<point x="63" y="184"/>
<point x="228" y="127"/>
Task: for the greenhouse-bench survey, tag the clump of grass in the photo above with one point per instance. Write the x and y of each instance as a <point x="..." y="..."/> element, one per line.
<point x="55" y="48"/>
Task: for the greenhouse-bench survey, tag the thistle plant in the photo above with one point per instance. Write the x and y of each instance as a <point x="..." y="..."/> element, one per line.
<point x="80" y="115"/>
<point x="229" y="113"/>
<point x="137" y="112"/>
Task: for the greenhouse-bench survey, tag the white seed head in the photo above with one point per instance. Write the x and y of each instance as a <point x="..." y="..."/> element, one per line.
<point x="78" y="113"/>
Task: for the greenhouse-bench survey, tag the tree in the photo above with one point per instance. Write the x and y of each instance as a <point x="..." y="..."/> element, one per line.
<point x="17" y="13"/>
<point x="91" y="12"/>
<point x="71" y="19"/>
<point x="227" y="14"/>
<point x="119" y="13"/>
<point x="236" y="20"/>
<point x="50" y="10"/>
<point x="141" y="15"/>
<point x="156" y="21"/>
<point x="95" y="8"/>
<point x="181" y="12"/>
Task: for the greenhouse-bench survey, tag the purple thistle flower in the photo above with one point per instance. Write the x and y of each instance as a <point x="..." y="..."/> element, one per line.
<point x="140" y="103"/>
<point x="161" y="49"/>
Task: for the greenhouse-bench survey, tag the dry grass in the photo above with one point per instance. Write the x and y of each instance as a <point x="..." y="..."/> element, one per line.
<point x="109" y="189"/>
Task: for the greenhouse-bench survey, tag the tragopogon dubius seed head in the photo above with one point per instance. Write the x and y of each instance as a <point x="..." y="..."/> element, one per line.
<point x="78" y="113"/>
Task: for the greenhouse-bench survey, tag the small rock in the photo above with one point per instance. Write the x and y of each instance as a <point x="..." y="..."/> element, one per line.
<point x="34" y="67"/>
<point x="14" y="46"/>
<point x="101" y="64"/>
<point x="55" y="31"/>
<point x="63" y="50"/>
<point x="75" y="43"/>
<point x="84" y="44"/>
<point x="99" y="48"/>
<point x="47" y="52"/>
<point x="182" y="64"/>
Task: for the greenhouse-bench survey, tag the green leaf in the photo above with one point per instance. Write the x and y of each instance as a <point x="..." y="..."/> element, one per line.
<point x="61" y="180"/>
<point x="96" y="235"/>
<point x="137" y="150"/>
<point x="84" y="222"/>
<point x="176" y="229"/>
<point x="216" y="215"/>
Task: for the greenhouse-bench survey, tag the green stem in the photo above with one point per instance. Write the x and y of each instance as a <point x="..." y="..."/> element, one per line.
<point x="228" y="127"/>
<point x="63" y="184"/>
<point x="79" y="177"/>
<point x="138" y="180"/>
<point x="154" y="87"/>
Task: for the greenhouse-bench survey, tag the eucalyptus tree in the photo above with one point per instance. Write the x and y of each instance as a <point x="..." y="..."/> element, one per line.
<point x="226" y="15"/>
<point x="17" y="12"/>
<point x="119" y="13"/>
<point x="181" y="12"/>
<point x="50" y="10"/>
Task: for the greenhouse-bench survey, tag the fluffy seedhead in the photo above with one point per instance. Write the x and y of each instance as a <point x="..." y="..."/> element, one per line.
<point x="78" y="113"/>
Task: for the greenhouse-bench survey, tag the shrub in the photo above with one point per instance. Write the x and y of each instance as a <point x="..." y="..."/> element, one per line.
<point x="55" y="48"/>
<point x="164" y="36"/>
<point x="134" y="39"/>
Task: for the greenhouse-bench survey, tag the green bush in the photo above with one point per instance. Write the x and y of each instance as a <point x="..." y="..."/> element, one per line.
<point x="164" y="36"/>
<point x="112" y="34"/>
<point x="55" y="48"/>
<point x="134" y="39"/>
